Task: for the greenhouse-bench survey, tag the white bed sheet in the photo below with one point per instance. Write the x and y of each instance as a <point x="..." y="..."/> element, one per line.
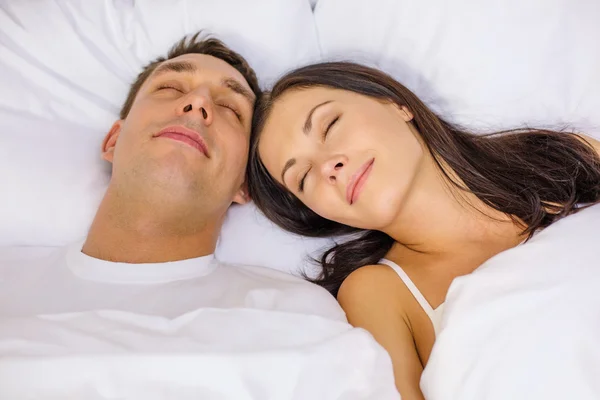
<point x="526" y="324"/>
<point x="206" y="354"/>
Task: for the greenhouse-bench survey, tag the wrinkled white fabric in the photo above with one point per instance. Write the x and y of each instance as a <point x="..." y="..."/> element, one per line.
<point x="205" y="354"/>
<point x="526" y="324"/>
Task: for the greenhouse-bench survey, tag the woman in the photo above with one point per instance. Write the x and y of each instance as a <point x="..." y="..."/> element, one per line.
<point x="341" y="148"/>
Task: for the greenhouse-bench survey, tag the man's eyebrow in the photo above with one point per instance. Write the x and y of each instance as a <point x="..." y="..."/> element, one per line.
<point x="237" y="87"/>
<point x="289" y="164"/>
<point x="308" y="123"/>
<point x="176" y="66"/>
<point x="190" y="68"/>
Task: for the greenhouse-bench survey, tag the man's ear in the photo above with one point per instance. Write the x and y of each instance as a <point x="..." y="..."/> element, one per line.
<point x="242" y="196"/>
<point x="110" y="141"/>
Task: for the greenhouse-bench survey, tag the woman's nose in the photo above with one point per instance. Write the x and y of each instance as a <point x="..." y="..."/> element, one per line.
<point x="333" y="167"/>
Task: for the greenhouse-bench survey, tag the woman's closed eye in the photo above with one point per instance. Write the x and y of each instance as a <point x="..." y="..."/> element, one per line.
<point x="324" y="136"/>
<point x="329" y="126"/>
<point x="302" y="181"/>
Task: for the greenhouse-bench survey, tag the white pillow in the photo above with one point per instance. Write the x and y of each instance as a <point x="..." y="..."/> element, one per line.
<point x="249" y="238"/>
<point x="525" y="325"/>
<point x="65" y="68"/>
<point x="484" y="64"/>
<point x="74" y="59"/>
<point x="53" y="179"/>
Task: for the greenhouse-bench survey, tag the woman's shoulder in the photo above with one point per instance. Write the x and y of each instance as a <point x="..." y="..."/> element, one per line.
<point x="375" y="298"/>
<point x="371" y="283"/>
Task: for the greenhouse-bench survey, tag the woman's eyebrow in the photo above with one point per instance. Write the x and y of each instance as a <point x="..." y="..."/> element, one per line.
<point x="306" y="129"/>
<point x="308" y="123"/>
<point x="289" y="164"/>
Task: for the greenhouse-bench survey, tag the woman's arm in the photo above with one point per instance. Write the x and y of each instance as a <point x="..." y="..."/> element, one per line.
<point x="370" y="302"/>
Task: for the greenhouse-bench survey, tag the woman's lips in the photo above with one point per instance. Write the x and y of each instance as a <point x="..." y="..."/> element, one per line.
<point x="358" y="180"/>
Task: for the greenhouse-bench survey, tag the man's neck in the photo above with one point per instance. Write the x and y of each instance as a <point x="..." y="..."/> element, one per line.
<point x="147" y="232"/>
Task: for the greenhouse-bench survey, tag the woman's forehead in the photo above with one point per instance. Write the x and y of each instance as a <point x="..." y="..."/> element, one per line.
<point x="291" y="109"/>
<point x="307" y="97"/>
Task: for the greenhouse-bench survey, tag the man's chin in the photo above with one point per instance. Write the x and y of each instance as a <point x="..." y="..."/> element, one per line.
<point x="174" y="177"/>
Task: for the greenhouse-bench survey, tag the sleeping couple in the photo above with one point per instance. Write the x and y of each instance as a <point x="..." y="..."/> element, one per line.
<point x="332" y="149"/>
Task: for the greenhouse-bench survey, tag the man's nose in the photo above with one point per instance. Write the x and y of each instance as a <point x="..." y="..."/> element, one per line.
<point x="198" y="102"/>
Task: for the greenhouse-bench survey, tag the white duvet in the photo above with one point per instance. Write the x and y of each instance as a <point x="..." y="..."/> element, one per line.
<point x="525" y="325"/>
<point x="206" y="354"/>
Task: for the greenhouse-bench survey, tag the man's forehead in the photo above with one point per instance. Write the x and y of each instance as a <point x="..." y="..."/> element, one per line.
<point x="200" y="63"/>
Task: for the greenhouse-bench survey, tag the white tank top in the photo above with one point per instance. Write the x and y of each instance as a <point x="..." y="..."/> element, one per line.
<point x="435" y="315"/>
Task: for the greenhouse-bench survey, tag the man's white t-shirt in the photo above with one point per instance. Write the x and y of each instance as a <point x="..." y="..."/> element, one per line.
<point x="69" y="281"/>
<point x="75" y="327"/>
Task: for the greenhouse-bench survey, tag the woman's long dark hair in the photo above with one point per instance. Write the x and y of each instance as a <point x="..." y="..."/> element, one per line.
<point x="535" y="176"/>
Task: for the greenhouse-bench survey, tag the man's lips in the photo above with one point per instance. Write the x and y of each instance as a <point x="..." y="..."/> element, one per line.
<point x="357" y="181"/>
<point x="185" y="135"/>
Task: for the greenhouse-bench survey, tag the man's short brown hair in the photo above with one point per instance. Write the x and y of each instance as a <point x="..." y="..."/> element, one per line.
<point x="193" y="45"/>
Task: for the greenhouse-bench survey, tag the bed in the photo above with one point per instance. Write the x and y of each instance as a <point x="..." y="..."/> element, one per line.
<point x="65" y="67"/>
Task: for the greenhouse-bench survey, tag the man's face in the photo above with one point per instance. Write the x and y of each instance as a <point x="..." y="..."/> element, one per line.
<point x="187" y="133"/>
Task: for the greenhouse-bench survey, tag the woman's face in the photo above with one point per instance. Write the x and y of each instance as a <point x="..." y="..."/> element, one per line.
<point x="348" y="157"/>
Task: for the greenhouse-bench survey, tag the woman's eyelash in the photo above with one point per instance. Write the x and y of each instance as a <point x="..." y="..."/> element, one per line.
<point x="326" y="131"/>
<point x="301" y="184"/>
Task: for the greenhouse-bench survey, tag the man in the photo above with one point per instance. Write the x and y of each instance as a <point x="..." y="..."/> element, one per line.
<point x="178" y="155"/>
<point x="141" y="309"/>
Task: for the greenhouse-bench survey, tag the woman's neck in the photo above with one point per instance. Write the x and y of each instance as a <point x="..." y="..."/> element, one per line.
<point x="439" y="220"/>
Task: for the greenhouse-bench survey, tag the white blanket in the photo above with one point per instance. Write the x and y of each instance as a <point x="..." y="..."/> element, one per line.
<point x="207" y="354"/>
<point x="525" y="325"/>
